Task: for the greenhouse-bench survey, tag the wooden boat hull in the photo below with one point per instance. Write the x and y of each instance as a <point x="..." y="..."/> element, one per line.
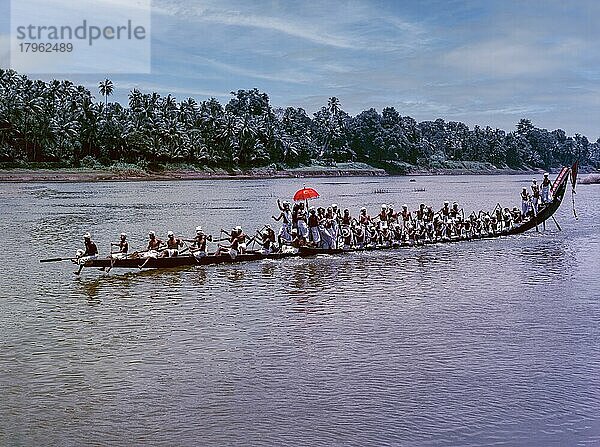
<point x="545" y="213"/>
<point x="182" y="261"/>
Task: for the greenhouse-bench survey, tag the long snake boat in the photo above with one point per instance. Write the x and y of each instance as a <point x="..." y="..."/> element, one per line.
<point x="545" y="212"/>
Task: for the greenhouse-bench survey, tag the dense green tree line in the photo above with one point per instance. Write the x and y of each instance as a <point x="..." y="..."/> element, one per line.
<point x="59" y="121"/>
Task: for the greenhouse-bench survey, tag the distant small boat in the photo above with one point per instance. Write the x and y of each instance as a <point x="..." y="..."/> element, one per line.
<point x="419" y="189"/>
<point x="412" y="180"/>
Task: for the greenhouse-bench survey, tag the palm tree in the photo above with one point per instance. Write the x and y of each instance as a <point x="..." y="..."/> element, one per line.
<point x="334" y="106"/>
<point x="106" y="89"/>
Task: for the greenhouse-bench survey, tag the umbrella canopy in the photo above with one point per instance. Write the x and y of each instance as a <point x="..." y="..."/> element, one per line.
<point x="305" y="194"/>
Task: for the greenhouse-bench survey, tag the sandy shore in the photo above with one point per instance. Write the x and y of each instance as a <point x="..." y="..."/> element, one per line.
<point x="341" y="170"/>
<point x="83" y="175"/>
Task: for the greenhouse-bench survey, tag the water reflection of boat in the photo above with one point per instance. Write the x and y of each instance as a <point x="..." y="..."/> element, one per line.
<point x="545" y="212"/>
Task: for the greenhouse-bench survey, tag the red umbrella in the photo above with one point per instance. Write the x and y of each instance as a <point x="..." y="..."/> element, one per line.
<point x="305" y="194"/>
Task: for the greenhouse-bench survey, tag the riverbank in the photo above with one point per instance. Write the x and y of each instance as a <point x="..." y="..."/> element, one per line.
<point x="133" y="173"/>
<point x="591" y="179"/>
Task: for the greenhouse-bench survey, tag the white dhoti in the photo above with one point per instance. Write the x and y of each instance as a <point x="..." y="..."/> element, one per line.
<point x="327" y="238"/>
<point x="285" y="232"/>
<point x="315" y="236"/>
<point x="149" y="254"/>
<point x="335" y="231"/>
<point x="524" y="207"/>
<point x="83" y="259"/>
<point x="232" y="252"/>
<point x="288" y="249"/>
<point x="118" y="255"/>
<point x="199" y="254"/>
<point x="545" y="194"/>
<point x="302" y="228"/>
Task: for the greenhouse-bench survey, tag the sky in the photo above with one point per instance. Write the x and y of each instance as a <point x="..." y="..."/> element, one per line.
<point x="480" y="62"/>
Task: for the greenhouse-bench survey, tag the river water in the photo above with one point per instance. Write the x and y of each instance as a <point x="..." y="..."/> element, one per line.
<point x="492" y="342"/>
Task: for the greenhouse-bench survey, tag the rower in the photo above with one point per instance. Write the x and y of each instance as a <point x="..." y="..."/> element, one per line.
<point x="327" y="231"/>
<point x="286" y="221"/>
<point x="445" y="211"/>
<point x="372" y="235"/>
<point x="454" y="211"/>
<point x="524" y="202"/>
<point x="331" y="226"/>
<point x="336" y="217"/>
<point x="364" y="219"/>
<point x="535" y="196"/>
<point x="234" y="238"/>
<point x="429" y="214"/>
<point x="302" y="221"/>
<point x="241" y="239"/>
<point x="397" y="233"/>
<point x="383" y="216"/>
<point x="313" y="227"/>
<point x="266" y="239"/>
<point x="385" y="237"/>
<point x="153" y="247"/>
<point x="297" y="241"/>
<point x="90" y="252"/>
<point x="359" y="236"/>
<point x="123" y="247"/>
<point x="516" y="215"/>
<point x="507" y="217"/>
<point x="406" y="215"/>
<point x="336" y="211"/>
<point x="420" y="213"/>
<point x="173" y="245"/>
<point x="392" y="216"/>
<point x="346" y="235"/>
<point x="546" y="188"/>
<point x="198" y="248"/>
<point x="346" y="220"/>
<point x="498" y="212"/>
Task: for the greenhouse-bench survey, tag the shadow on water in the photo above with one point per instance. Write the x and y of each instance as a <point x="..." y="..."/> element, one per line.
<point x="147" y="284"/>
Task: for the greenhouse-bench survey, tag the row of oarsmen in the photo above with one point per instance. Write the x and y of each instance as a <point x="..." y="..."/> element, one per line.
<point x="173" y="246"/>
<point x="330" y="228"/>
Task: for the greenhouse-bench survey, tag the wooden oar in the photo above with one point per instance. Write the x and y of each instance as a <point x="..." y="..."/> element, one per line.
<point x="148" y="258"/>
<point x="557" y="225"/>
<point x="56" y="259"/>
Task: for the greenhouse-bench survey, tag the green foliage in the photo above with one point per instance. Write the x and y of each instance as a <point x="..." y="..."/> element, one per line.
<point x="90" y="162"/>
<point x="59" y="122"/>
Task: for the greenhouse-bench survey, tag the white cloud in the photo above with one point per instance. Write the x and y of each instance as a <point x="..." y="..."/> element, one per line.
<point x="516" y="54"/>
<point x="360" y="27"/>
